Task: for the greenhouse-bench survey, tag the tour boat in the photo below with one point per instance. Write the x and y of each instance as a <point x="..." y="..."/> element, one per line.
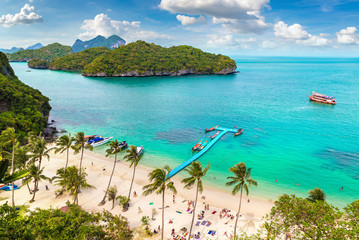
<point x="202" y="146"/>
<point x="322" y="98"/>
<point x="96" y="140"/>
<point x="123" y="145"/>
<point x="240" y="131"/>
<point x="215" y="135"/>
<point x="211" y="129"/>
<point x="139" y="150"/>
<point x="196" y="147"/>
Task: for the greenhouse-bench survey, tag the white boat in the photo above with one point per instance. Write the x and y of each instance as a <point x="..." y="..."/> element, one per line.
<point x="139" y="150"/>
<point x="96" y="140"/>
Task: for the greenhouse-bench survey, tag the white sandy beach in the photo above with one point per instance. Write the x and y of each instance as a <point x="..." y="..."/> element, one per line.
<point x="99" y="168"/>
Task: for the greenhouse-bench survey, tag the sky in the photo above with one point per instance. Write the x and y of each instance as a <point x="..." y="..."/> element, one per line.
<point x="316" y="28"/>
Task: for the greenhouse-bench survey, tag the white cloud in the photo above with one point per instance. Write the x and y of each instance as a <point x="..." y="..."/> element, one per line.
<point x="295" y="31"/>
<point x="348" y="36"/>
<point x="218" y="41"/>
<point x="186" y="20"/>
<point x="268" y="44"/>
<point x="105" y="26"/>
<point x="314" y="41"/>
<point x="235" y="15"/>
<point x="27" y="15"/>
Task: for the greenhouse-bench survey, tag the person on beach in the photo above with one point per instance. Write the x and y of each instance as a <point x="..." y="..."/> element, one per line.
<point x="134" y="194"/>
<point x="139" y="210"/>
<point x="174" y="199"/>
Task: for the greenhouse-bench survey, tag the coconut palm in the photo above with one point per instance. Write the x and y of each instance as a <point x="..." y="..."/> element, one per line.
<point x="113" y="150"/>
<point x="71" y="180"/>
<point x="39" y="150"/>
<point x="9" y="139"/>
<point x="196" y="172"/>
<point x="316" y="194"/>
<point x="133" y="157"/>
<point x="36" y="176"/>
<point x="63" y="144"/>
<point x="160" y="183"/>
<point x="79" y="146"/>
<point x="241" y="181"/>
<point x="112" y="195"/>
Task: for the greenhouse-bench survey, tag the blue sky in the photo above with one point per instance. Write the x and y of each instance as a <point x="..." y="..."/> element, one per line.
<point x="236" y="27"/>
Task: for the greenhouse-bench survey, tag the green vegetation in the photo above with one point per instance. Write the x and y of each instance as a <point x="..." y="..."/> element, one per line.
<point x="21" y="106"/>
<point x="38" y="63"/>
<point x="147" y="59"/>
<point x="75" y="223"/>
<point x="77" y="61"/>
<point x="48" y="53"/>
<point x="299" y="218"/>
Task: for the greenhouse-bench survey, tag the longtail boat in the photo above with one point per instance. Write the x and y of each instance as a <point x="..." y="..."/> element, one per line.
<point x="197" y="146"/>
<point x="240" y="131"/>
<point x="215" y="135"/>
<point x="211" y="129"/>
<point x="202" y="146"/>
<point x="322" y="98"/>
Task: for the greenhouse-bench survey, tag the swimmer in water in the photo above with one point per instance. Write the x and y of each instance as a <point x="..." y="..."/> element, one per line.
<point x="341" y="189"/>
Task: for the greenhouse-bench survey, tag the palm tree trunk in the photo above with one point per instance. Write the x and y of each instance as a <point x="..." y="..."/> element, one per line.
<point x="12" y="171"/>
<point x="109" y="182"/>
<point x="239" y="209"/>
<point x="163" y="212"/>
<point x="34" y="192"/>
<point x="113" y="203"/>
<point x="194" y="212"/>
<point x="76" y="200"/>
<point x="28" y="187"/>
<point x="133" y="177"/>
<point x="36" y="181"/>
<point x="67" y="159"/>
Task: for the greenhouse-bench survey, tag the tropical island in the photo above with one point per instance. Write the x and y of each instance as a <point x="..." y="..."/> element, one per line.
<point x="67" y="191"/>
<point x="137" y="59"/>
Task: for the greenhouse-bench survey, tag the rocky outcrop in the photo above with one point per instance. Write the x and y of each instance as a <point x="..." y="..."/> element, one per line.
<point x="164" y="73"/>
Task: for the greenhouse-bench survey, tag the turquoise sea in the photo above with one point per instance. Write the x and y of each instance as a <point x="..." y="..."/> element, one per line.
<point x="286" y="138"/>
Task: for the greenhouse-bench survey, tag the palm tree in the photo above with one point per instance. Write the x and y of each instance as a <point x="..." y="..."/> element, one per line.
<point x="8" y="137"/>
<point x="39" y="150"/>
<point x="64" y="143"/>
<point x="113" y="150"/>
<point x="80" y="145"/>
<point x="133" y="157"/>
<point x="241" y="180"/>
<point x="196" y="172"/>
<point x="71" y="180"/>
<point x="112" y="195"/>
<point x="159" y="184"/>
<point x="36" y="176"/>
<point x="316" y="194"/>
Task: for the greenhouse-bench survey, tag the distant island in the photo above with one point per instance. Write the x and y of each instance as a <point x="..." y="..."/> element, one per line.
<point x="140" y="59"/>
<point x="112" y="42"/>
<point x="16" y="49"/>
<point x="48" y="53"/>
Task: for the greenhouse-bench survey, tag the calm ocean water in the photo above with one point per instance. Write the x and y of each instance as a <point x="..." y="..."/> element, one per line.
<point x="286" y="138"/>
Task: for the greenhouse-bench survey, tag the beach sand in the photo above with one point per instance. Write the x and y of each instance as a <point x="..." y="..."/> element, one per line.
<point x="99" y="167"/>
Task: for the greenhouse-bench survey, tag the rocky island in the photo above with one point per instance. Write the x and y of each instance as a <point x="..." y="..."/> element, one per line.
<point x="142" y="59"/>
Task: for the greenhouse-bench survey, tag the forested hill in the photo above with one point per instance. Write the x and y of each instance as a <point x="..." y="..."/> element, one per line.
<point x="48" y="53"/>
<point x="21" y="106"/>
<point x="76" y="61"/>
<point x="145" y="59"/>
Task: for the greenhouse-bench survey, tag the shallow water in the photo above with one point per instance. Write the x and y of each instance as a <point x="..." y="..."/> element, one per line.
<point x="286" y="138"/>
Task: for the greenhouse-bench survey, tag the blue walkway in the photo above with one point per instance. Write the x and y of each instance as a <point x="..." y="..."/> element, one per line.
<point x="203" y="151"/>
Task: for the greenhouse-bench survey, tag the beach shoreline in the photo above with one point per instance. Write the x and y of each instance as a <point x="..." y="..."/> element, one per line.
<point x="99" y="167"/>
